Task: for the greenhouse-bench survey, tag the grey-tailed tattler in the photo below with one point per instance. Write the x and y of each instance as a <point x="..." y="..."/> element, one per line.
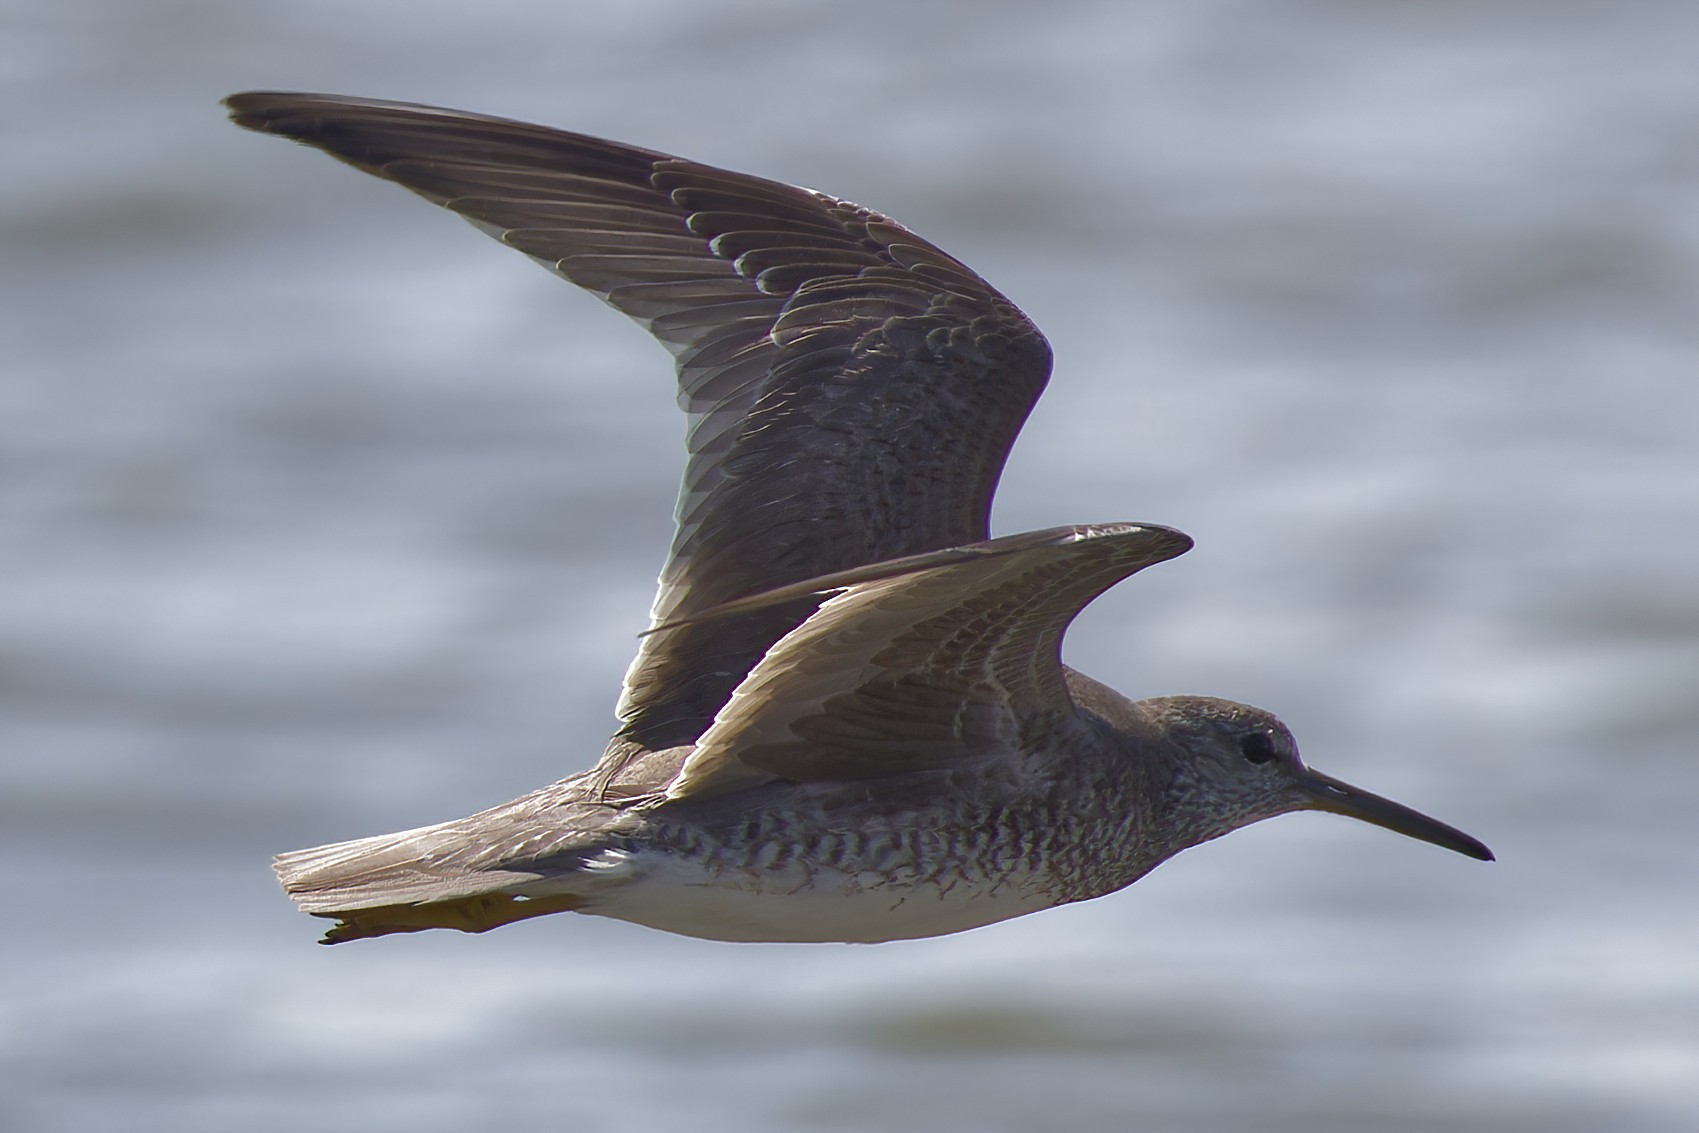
<point x="849" y="719"/>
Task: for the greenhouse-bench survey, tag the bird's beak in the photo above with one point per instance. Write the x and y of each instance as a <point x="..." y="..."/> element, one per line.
<point x="1323" y="792"/>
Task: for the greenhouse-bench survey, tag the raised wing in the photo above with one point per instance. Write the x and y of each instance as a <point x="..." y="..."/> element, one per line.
<point x="924" y="663"/>
<point x="852" y="390"/>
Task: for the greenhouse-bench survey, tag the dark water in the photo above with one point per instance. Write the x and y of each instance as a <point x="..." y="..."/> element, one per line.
<point x="320" y="515"/>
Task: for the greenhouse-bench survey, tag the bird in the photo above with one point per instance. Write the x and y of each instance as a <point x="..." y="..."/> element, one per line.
<point x="848" y="719"/>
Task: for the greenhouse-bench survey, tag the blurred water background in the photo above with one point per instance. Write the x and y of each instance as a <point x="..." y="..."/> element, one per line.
<point x="322" y="515"/>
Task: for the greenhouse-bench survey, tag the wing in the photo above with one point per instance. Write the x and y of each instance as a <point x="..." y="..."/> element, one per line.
<point x="923" y="663"/>
<point x="852" y="390"/>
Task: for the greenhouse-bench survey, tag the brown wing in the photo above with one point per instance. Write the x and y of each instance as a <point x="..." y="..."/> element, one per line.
<point x="919" y="664"/>
<point x="852" y="390"/>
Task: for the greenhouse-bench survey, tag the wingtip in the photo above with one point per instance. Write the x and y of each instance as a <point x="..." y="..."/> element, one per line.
<point x="1172" y="542"/>
<point x="249" y="109"/>
<point x="267" y="110"/>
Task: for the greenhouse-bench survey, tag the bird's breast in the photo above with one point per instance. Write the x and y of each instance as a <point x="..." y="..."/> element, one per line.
<point x="769" y="879"/>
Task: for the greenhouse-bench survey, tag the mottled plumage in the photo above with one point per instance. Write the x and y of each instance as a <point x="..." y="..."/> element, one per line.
<point x="849" y="719"/>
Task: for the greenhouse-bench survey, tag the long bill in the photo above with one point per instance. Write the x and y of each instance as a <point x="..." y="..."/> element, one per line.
<point x="1327" y="793"/>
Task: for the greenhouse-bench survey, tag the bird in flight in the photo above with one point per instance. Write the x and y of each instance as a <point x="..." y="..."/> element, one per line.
<point x="849" y="719"/>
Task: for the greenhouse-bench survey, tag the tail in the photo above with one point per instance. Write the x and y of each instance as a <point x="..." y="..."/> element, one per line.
<point x="409" y="882"/>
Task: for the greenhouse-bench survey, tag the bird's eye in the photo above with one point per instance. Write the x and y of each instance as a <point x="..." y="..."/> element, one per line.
<point x="1257" y="747"/>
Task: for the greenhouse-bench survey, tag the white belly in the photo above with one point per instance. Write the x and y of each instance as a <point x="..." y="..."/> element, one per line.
<point x="798" y="904"/>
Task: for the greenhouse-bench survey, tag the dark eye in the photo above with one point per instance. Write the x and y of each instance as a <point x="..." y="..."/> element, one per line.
<point x="1258" y="747"/>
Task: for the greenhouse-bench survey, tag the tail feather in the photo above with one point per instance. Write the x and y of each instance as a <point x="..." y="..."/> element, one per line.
<point x="404" y="882"/>
<point x="386" y="869"/>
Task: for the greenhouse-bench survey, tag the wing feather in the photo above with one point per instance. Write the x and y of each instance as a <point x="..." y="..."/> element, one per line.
<point x="853" y="390"/>
<point x="924" y="663"/>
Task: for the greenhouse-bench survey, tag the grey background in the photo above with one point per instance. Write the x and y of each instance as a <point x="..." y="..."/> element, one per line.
<point x="321" y="515"/>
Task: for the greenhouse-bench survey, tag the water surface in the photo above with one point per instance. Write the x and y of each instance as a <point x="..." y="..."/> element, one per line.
<point x="322" y="515"/>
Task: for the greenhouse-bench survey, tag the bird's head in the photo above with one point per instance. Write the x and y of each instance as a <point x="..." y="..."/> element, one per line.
<point x="1235" y="765"/>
